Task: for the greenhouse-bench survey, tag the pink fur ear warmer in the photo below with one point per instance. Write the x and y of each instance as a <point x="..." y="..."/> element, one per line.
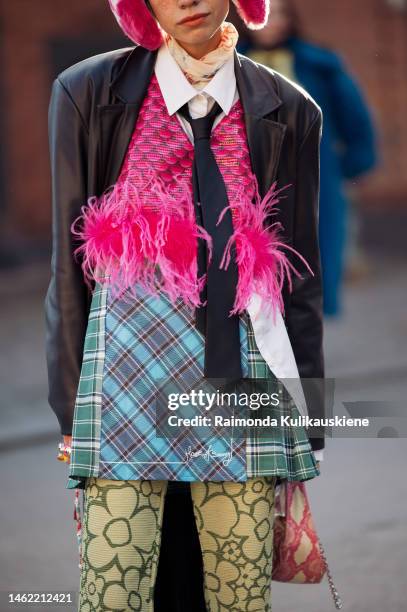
<point x="140" y="26"/>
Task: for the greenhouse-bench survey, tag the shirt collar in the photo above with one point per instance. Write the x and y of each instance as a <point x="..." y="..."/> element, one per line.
<point x="177" y="90"/>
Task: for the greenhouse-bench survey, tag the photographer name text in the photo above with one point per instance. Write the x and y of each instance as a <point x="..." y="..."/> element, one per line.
<point x="283" y="421"/>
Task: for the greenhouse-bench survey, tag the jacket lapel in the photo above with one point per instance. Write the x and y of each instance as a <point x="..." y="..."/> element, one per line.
<point x="116" y="121"/>
<point x="265" y="136"/>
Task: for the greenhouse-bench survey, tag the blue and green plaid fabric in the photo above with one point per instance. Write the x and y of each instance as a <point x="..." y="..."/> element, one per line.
<point x="150" y="342"/>
<point x="87" y="413"/>
<point x="129" y="348"/>
<point x="283" y="451"/>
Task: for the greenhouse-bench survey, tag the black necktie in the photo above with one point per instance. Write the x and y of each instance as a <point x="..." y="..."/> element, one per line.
<point x="222" y="341"/>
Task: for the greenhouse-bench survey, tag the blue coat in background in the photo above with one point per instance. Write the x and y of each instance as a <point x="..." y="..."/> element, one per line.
<point x="348" y="150"/>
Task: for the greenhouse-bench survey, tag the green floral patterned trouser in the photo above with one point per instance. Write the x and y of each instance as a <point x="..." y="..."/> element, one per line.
<point x="121" y="543"/>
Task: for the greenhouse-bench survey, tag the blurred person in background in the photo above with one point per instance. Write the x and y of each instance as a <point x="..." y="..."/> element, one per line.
<point x="348" y="148"/>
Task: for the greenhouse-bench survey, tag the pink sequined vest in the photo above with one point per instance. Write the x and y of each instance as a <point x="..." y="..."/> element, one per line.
<point x="160" y="144"/>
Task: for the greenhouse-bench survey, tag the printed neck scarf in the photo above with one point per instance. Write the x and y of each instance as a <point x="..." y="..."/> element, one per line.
<point x="200" y="71"/>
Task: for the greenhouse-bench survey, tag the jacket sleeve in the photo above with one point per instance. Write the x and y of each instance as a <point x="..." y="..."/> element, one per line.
<point x="66" y="301"/>
<point x="305" y="312"/>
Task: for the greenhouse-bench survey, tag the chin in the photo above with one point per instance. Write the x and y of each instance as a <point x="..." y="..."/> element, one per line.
<point x="199" y="37"/>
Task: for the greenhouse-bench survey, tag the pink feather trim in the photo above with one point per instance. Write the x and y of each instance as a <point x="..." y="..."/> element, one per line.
<point x="125" y="242"/>
<point x="263" y="265"/>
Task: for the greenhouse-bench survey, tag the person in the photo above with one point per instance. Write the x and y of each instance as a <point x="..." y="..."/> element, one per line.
<point x="172" y="263"/>
<point x="348" y="146"/>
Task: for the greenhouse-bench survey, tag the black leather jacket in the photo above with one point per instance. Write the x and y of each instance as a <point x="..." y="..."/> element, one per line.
<point x="92" y="112"/>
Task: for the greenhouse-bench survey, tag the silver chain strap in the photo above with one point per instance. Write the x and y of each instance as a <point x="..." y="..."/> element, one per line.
<point x="335" y="594"/>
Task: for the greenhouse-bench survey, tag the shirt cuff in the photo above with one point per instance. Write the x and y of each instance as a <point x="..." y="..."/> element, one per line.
<point x="319" y="454"/>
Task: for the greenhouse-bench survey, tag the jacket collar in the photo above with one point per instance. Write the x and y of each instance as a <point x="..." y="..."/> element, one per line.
<point x="133" y="78"/>
<point x="258" y="94"/>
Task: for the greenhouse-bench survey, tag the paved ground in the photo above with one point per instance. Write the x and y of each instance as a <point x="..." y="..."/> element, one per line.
<point x="359" y="502"/>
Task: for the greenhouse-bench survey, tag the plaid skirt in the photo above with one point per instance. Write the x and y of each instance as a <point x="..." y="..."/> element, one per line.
<point x="114" y="434"/>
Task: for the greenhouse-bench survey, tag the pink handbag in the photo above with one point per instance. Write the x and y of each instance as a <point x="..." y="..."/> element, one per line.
<point x="298" y="554"/>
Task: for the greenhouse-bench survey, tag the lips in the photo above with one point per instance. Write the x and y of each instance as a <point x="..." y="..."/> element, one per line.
<point x="192" y="18"/>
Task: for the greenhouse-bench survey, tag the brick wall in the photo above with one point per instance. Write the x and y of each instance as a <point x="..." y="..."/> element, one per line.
<point x="29" y="28"/>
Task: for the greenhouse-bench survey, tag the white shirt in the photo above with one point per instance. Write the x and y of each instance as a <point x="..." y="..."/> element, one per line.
<point x="271" y="337"/>
<point x="177" y="90"/>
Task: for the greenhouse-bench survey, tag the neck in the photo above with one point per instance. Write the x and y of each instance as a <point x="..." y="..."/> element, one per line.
<point x="197" y="51"/>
